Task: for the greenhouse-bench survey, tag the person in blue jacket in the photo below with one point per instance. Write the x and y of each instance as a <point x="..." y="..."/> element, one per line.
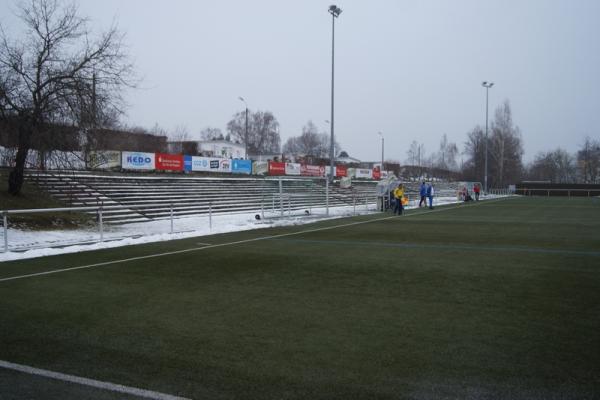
<point x="430" y="194"/>
<point x="423" y="194"/>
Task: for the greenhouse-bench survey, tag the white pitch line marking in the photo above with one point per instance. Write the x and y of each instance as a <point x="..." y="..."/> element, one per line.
<point x="113" y="387"/>
<point x="212" y="246"/>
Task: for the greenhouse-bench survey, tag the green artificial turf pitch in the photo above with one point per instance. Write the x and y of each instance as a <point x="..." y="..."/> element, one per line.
<point x="498" y="299"/>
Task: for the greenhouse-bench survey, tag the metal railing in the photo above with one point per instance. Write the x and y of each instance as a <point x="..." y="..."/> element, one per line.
<point x="280" y="203"/>
<point x="501" y="192"/>
<point x="560" y="192"/>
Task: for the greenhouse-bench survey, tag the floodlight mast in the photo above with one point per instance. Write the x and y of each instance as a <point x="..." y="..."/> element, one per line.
<point x="335" y="12"/>
<point x="246" y="133"/>
<point x="487" y="85"/>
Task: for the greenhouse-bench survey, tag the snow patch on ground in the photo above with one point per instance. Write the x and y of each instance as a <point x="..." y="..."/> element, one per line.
<point x="25" y="244"/>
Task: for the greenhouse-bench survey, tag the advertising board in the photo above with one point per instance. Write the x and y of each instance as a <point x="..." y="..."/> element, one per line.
<point x="363" y="173"/>
<point x="312" y="170"/>
<point x="104" y="159"/>
<point x="376" y="173"/>
<point x="276" y="168"/>
<point x="292" y="169"/>
<point x="241" y="166"/>
<point x="207" y="164"/>
<point x="260" y="167"/>
<point x="341" y="171"/>
<point x="169" y="162"/>
<point x="137" y="160"/>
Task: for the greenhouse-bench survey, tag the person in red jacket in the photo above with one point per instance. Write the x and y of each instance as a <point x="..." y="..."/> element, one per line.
<point x="476" y="190"/>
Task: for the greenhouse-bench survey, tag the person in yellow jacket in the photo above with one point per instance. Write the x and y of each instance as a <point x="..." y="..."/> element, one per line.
<point x="398" y="194"/>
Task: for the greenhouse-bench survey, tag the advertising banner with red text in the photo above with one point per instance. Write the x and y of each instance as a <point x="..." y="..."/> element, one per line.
<point x="312" y="170"/>
<point x="169" y="162"/>
<point x="276" y="168"/>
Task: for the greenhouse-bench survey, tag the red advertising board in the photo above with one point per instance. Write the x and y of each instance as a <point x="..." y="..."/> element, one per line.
<point x="276" y="168"/>
<point x="312" y="170"/>
<point x="376" y="173"/>
<point x="341" y="171"/>
<point x="169" y="162"/>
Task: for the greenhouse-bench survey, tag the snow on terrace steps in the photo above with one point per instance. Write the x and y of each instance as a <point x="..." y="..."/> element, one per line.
<point x="80" y="195"/>
<point x="152" y="197"/>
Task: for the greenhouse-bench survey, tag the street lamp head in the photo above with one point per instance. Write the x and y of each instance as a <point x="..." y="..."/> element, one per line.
<point x="487" y="84"/>
<point x="241" y="98"/>
<point x="335" y="10"/>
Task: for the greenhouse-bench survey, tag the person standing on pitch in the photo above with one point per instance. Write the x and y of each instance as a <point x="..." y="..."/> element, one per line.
<point x="423" y="194"/>
<point x="398" y="194"/>
<point x="476" y="189"/>
<point x="430" y="194"/>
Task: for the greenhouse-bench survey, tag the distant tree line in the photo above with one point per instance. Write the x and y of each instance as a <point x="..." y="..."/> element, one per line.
<point x="505" y="158"/>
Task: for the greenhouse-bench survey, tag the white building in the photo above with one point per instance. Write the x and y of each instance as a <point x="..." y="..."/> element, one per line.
<point x="209" y="148"/>
<point x="221" y="148"/>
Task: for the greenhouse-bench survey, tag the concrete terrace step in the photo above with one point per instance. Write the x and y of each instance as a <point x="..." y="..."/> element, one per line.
<point x="145" y="197"/>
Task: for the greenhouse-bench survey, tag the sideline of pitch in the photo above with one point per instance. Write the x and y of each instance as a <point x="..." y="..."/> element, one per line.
<point x="113" y="387"/>
<point x="193" y="249"/>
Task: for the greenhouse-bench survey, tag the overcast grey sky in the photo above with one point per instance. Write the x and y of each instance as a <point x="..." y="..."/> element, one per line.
<point x="410" y="69"/>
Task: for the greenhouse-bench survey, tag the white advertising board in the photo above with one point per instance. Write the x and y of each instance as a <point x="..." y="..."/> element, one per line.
<point x="137" y="160"/>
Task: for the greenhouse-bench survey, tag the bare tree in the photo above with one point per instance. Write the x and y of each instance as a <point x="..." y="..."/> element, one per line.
<point x="263" y="131"/>
<point x="446" y="157"/>
<point x="556" y="166"/>
<point x="474" y="151"/>
<point x="180" y="134"/>
<point x="505" y="149"/>
<point x="209" y="133"/>
<point x="588" y="159"/>
<point x="57" y="73"/>
<point x="311" y="143"/>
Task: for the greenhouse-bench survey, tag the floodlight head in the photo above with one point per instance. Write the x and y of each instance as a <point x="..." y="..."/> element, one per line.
<point x="491" y="84"/>
<point x="335" y="10"/>
<point x="241" y="98"/>
<point x="484" y="83"/>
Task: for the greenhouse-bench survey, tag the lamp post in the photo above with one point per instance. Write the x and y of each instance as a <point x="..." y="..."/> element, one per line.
<point x="335" y="12"/>
<point x="487" y="85"/>
<point x="246" y="134"/>
<point x="382" y="142"/>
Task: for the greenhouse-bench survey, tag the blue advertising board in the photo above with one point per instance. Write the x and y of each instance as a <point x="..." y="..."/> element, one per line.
<point x="241" y="166"/>
<point x="187" y="163"/>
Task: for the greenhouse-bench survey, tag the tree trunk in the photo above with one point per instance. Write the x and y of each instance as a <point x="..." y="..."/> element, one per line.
<point x="16" y="176"/>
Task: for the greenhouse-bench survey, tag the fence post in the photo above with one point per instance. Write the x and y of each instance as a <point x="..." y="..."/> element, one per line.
<point x="281" y="196"/>
<point x="101" y="222"/>
<point x="289" y="204"/>
<point x="262" y="206"/>
<point x="327" y="197"/>
<point x="210" y="215"/>
<point x="354" y="202"/>
<point x="5" y="223"/>
<point x="171" y="218"/>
